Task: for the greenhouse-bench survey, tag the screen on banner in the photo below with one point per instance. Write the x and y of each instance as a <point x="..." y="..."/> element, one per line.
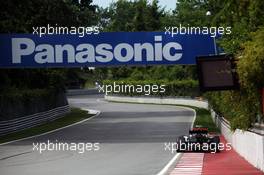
<point x="216" y="73"/>
<point x="104" y="49"/>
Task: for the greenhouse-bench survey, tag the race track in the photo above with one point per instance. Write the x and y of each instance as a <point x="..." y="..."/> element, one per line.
<point x="131" y="138"/>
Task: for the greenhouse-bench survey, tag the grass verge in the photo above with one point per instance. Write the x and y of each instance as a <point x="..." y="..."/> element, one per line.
<point x="74" y="116"/>
<point x="203" y="118"/>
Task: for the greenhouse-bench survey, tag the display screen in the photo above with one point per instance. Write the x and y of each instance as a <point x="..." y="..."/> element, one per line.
<point x="216" y="73"/>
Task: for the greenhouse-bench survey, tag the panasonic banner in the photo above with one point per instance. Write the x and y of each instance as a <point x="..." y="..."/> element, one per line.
<point x="103" y="49"/>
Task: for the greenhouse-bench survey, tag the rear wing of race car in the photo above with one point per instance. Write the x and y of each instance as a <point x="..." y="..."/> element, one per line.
<point x="199" y="131"/>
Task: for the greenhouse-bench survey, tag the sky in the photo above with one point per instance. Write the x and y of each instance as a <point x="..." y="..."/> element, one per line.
<point x="168" y="4"/>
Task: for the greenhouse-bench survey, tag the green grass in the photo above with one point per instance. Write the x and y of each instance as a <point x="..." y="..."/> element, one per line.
<point x="203" y="118"/>
<point x="89" y="84"/>
<point x="74" y="116"/>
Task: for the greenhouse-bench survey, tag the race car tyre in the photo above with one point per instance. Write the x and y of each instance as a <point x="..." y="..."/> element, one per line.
<point x="215" y="140"/>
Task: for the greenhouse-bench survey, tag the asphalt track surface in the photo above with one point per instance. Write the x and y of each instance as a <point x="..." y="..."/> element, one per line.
<point x="131" y="138"/>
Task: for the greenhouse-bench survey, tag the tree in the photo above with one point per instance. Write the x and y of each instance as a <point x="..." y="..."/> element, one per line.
<point x="35" y="13"/>
<point x="246" y="43"/>
<point x="121" y="14"/>
<point x="191" y="12"/>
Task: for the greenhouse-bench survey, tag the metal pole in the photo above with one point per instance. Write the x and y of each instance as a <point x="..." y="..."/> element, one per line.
<point x="215" y="49"/>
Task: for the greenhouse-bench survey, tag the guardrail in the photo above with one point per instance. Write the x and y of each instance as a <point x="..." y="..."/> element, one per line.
<point x="14" y="125"/>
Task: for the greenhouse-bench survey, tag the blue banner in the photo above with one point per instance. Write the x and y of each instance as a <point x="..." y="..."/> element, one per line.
<point x="103" y="49"/>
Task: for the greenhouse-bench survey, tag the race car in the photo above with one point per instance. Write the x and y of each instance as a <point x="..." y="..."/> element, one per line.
<point x="198" y="140"/>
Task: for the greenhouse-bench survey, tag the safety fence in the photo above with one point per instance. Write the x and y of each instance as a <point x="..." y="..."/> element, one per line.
<point x="76" y="92"/>
<point x="18" y="124"/>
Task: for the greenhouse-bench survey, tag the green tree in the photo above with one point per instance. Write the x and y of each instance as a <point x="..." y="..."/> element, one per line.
<point x="154" y="18"/>
<point x="242" y="107"/>
<point x="121" y="14"/>
<point x="35" y="13"/>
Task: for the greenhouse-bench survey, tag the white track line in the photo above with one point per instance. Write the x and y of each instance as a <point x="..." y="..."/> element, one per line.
<point x="167" y="167"/>
<point x="190" y="163"/>
<point x="177" y="155"/>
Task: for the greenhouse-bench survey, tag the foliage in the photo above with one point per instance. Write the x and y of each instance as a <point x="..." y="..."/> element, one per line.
<point x="191" y="12"/>
<point x="17" y="102"/>
<point x="134" y="16"/>
<point x="29" y="14"/>
<point x="34" y="90"/>
<point x="242" y="108"/>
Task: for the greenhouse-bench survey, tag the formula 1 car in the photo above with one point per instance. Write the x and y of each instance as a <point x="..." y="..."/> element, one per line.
<point x="198" y="140"/>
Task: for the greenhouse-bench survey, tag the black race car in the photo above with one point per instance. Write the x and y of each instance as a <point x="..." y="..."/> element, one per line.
<point x="198" y="140"/>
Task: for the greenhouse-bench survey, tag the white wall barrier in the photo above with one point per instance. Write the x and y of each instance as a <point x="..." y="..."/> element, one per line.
<point x="169" y="101"/>
<point x="17" y="124"/>
<point x="249" y="145"/>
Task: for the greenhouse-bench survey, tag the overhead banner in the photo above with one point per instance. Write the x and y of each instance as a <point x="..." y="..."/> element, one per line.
<point x="103" y="49"/>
